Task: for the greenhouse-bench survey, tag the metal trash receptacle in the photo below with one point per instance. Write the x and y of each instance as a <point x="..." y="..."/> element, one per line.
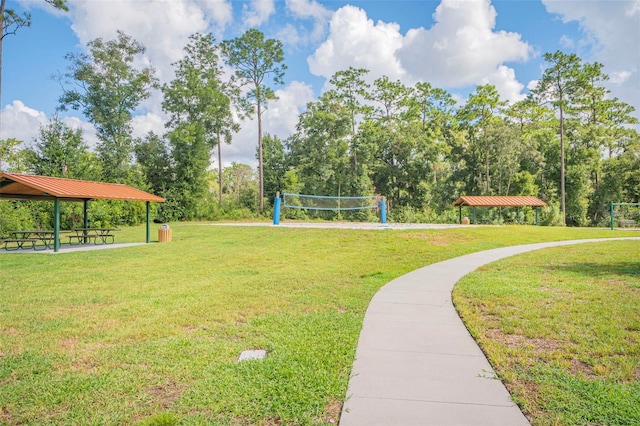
<point x="164" y="234"/>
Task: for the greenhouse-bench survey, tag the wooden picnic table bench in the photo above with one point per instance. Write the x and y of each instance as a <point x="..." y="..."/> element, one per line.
<point x="18" y="243"/>
<point x="626" y="223"/>
<point x="98" y="235"/>
<point x="40" y="235"/>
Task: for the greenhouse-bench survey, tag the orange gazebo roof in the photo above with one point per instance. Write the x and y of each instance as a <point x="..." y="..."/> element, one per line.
<point x="499" y="201"/>
<point x="20" y="186"/>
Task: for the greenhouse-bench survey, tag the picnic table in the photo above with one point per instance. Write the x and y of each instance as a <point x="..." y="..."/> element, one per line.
<point x="98" y="235"/>
<point x="32" y="236"/>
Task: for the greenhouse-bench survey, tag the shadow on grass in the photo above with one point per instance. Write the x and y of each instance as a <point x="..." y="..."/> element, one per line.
<point x="599" y="269"/>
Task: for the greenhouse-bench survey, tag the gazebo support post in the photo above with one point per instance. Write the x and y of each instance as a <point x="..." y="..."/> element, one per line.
<point x="148" y="222"/>
<point x="56" y="225"/>
<point x="85" y="220"/>
<point x="460" y="214"/>
<point x="611" y="212"/>
<point x="537" y="208"/>
<point x="474" y="215"/>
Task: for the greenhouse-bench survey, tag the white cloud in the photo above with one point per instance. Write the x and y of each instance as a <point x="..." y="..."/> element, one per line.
<point x="311" y="9"/>
<point x="288" y="34"/>
<point x="257" y="12"/>
<point x="462" y="47"/>
<point x="612" y="28"/>
<point x="149" y="122"/>
<point x="567" y="42"/>
<point x="88" y="130"/>
<point x="219" y="10"/>
<point x="504" y="79"/>
<point x="308" y="9"/>
<point x="619" y="77"/>
<point x="21" y="122"/>
<point x="163" y="28"/>
<point x="354" y="40"/>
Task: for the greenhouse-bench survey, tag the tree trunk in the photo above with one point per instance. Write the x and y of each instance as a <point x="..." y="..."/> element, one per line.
<point x="2" y="8"/>
<point x="353" y="136"/>
<point x="260" y="168"/>
<point x="486" y="171"/>
<point x="562" y="189"/>
<point x="219" y="171"/>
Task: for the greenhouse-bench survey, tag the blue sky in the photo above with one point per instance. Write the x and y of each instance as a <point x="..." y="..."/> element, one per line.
<point x="453" y="44"/>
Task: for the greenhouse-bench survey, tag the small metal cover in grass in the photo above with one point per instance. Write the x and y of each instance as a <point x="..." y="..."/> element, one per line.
<point x="252" y="354"/>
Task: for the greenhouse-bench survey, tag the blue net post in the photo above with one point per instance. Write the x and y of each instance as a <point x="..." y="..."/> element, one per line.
<point x="276" y="210"/>
<point x="383" y="211"/>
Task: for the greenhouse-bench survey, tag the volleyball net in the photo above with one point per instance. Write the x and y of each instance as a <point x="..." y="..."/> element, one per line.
<point x="323" y="203"/>
<point x="318" y="202"/>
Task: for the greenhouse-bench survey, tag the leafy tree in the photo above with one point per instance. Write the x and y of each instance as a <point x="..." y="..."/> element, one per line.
<point x="351" y="87"/>
<point x="11" y="156"/>
<point x="534" y="126"/>
<point x="390" y="98"/>
<point x="618" y="123"/>
<point x="558" y="85"/>
<point x="153" y="157"/>
<point x="579" y="190"/>
<point x="431" y="112"/>
<point x="481" y="119"/>
<point x="610" y="189"/>
<point x="240" y="185"/>
<point x="108" y="89"/>
<point x="190" y="152"/>
<point x="11" y="21"/>
<point x="275" y="164"/>
<point x="433" y="108"/>
<point x="398" y="167"/>
<point x="60" y="151"/>
<point x="255" y="59"/>
<point x="198" y="94"/>
<point x="319" y="148"/>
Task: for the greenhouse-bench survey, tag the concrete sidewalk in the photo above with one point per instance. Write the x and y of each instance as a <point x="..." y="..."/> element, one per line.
<point x="416" y="363"/>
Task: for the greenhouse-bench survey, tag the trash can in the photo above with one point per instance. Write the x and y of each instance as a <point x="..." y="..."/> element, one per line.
<point x="164" y="234"/>
<point x="465" y="221"/>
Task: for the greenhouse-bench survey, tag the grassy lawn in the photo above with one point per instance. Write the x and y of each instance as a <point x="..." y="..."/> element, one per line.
<point x="150" y="334"/>
<point x="562" y="329"/>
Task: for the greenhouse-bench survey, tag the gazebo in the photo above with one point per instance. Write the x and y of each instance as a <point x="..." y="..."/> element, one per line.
<point x="498" y="201"/>
<point x="43" y="188"/>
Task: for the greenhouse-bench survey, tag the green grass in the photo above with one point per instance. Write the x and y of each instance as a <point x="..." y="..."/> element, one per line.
<point x="151" y="334"/>
<point x="562" y="329"/>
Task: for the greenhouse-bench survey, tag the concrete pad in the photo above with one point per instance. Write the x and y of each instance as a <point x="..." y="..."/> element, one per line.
<point x="428" y="314"/>
<point x="387" y="412"/>
<point x="252" y="354"/>
<point x="417" y="337"/>
<point x="421" y="366"/>
<point x="408" y="297"/>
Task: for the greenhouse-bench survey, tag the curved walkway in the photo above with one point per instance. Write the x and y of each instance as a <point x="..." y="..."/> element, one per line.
<point x="416" y="363"/>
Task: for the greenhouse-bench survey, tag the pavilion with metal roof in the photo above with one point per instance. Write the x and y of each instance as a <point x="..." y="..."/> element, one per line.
<point x="15" y="186"/>
<point x="498" y="201"/>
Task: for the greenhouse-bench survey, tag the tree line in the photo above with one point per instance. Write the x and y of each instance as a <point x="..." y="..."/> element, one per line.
<point x="569" y="142"/>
